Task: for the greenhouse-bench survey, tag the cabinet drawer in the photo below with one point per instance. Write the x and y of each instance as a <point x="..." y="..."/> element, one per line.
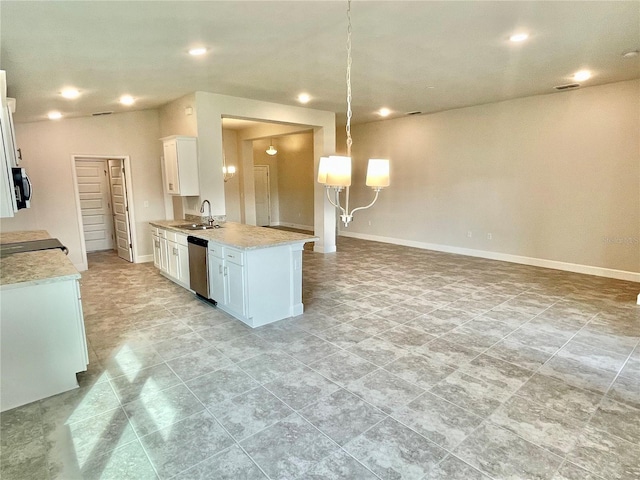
<point x="170" y="236"/>
<point x="154" y="231"/>
<point x="181" y="239"/>
<point x="161" y="233"/>
<point x="216" y="250"/>
<point x="234" y="256"/>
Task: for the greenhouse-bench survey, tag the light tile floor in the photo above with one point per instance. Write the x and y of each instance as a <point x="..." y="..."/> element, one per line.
<point x="407" y="364"/>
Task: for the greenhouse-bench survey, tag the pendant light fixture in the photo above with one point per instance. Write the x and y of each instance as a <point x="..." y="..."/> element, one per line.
<point x="271" y="150"/>
<point x="334" y="172"/>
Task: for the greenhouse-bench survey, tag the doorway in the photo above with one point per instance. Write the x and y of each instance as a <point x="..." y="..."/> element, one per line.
<point x="95" y="203"/>
<point x="262" y="195"/>
<point x="103" y="192"/>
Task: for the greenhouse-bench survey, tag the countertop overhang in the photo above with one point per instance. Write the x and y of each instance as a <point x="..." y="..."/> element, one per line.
<point x="239" y="235"/>
<point x="32" y="268"/>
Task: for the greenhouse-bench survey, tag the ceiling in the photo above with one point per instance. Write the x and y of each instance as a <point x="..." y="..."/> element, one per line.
<point x="424" y="56"/>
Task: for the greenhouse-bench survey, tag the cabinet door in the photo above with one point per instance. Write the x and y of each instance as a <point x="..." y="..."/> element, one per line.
<point x="157" y="256"/>
<point x="235" y="287"/>
<point x="183" y="264"/>
<point x="217" y="280"/>
<point x="7" y="194"/>
<point x="164" y="255"/>
<point x="172" y="184"/>
<point x="174" y="260"/>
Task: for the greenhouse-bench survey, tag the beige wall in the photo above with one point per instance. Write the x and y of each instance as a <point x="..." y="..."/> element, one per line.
<point x="232" y="192"/>
<point x="260" y="157"/>
<point x="47" y="148"/>
<point x="554" y="177"/>
<point x="296" y="179"/>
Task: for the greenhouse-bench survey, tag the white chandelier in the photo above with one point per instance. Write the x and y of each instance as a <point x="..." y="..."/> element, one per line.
<point x="334" y="172"/>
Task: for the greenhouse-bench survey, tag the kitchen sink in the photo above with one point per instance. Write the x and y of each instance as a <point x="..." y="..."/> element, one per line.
<point x="197" y="226"/>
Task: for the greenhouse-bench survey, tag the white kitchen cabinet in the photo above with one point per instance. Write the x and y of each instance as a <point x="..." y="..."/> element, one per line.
<point x="217" y="284"/>
<point x="171" y="255"/>
<point x="157" y="251"/>
<point x="181" y="166"/>
<point x="8" y="157"/>
<point x="226" y="278"/>
<point x="43" y="341"/>
<point x="257" y="286"/>
<point x="235" y="288"/>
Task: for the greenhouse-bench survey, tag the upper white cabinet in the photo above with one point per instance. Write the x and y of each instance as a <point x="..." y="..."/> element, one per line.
<point x="181" y="166"/>
<point x="8" y="157"/>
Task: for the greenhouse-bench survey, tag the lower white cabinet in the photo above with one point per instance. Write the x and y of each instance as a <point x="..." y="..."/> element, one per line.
<point x="157" y="251"/>
<point x="43" y="343"/>
<point x="226" y="279"/>
<point x="257" y="286"/>
<point x="171" y="255"/>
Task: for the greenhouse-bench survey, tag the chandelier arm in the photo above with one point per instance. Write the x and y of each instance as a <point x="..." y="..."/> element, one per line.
<point x="370" y="205"/>
<point x="337" y="205"/>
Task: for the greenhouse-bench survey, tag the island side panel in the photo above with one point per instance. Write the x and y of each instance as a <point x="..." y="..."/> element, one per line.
<point x="295" y="258"/>
<point x="268" y="285"/>
<point x="43" y="343"/>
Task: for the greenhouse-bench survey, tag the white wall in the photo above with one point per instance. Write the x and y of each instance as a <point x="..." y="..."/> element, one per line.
<point x="553" y="177"/>
<point x="47" y="148"/>
<point x="210" y="110"/>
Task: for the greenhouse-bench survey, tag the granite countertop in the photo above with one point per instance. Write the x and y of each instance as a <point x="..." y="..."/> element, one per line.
<point x="239" y="235"/>
<point x="32" y="268"/>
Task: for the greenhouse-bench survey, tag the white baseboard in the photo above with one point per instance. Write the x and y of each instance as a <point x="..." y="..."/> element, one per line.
<point x="144" y="259"/>
<point x="320" y="249"/>
<point x="504" y="257"/>
<point x="293" y="225"/>
<point x="81" y="267"/>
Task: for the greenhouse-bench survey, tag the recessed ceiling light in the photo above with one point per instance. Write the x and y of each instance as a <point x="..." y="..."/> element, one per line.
<point x="304" y="98"/>
<point x="518" y="37"/>
<point x="70" y="93"/>
<point x="54" y="115"/>
<point x="127" y="100"/>
<point x="630" y="54"/>
<point x="197" y="51"/>
<point x="582" y="75"/>
<point x="384" y="112"/>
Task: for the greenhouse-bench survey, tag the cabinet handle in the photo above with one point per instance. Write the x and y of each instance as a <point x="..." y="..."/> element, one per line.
<point x="157" y="242"/>
<point x="220" y="269"/>
<point x="225" y="271"/>
<point x="175" y="251"/>
<point x="171" y="186"/>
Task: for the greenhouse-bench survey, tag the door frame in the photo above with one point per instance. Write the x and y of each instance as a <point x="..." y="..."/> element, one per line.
<point x="129" y="188"/>
<point x="113" y="238"/>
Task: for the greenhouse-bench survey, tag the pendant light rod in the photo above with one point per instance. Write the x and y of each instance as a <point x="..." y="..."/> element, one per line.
<point x="335" y="171"/>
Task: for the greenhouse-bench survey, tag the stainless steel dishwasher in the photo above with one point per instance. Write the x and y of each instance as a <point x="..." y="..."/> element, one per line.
<point x="198" y="271"/>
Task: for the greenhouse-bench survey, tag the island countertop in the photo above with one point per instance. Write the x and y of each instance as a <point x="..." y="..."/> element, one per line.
<point x="31" y="268"/>
<point x="239" y="235"/>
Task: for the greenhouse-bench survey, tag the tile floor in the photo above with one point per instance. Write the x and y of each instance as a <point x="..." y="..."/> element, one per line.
<point x="407" y="364"/>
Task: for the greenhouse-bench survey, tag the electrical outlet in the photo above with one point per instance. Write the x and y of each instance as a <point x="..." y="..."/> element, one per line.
<point x="146" y="204"/>
<point x="489" y="236"/>
<point x="469" y="234"/>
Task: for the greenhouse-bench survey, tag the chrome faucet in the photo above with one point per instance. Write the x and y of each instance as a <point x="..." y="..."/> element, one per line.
<point x="208" y="217"/>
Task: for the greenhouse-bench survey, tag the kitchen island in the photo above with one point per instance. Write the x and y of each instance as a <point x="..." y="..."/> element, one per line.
<point x="254" y="273"/>
<point x="43" y="343"/>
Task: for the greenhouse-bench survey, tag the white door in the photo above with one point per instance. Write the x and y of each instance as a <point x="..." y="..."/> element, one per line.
<point x="95" y="204"/>
<point x="120" y="209"/>
<point x="263" y="194"/>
